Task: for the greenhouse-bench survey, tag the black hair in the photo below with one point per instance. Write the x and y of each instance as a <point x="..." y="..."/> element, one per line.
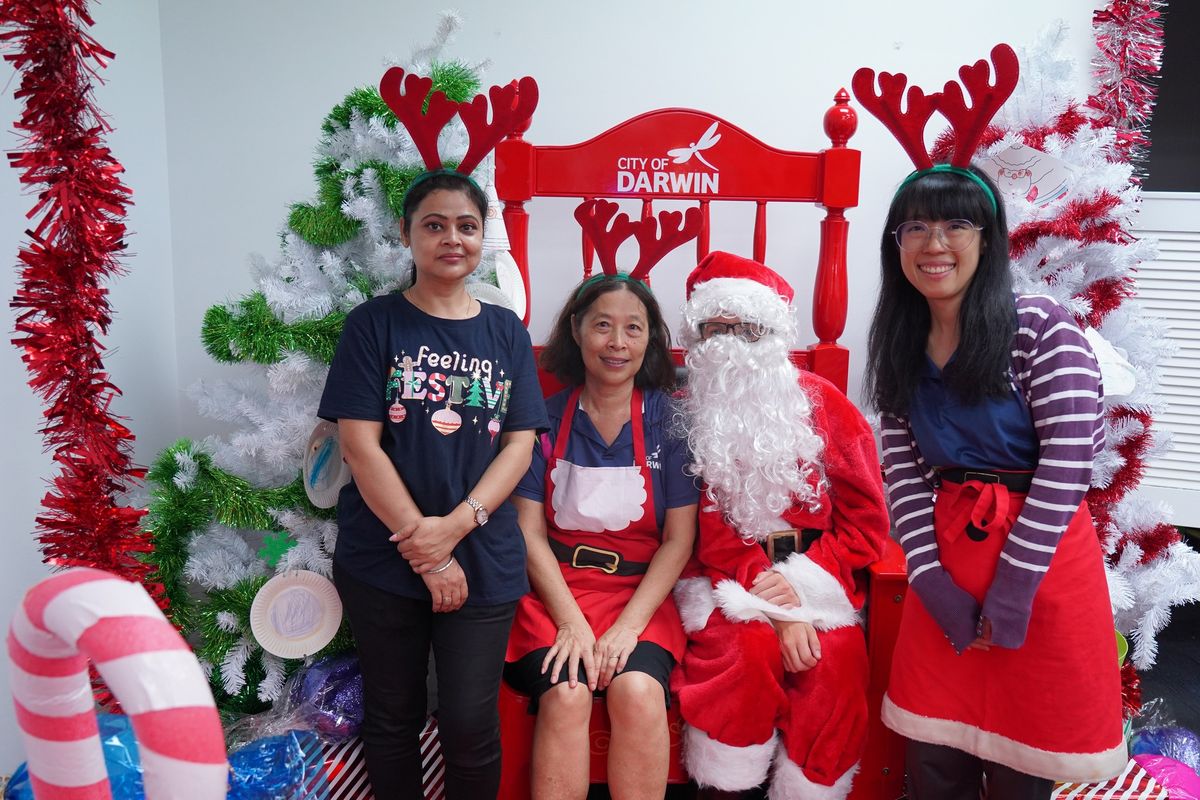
<point x="562" y="356"/>
<point x="428" y="183"/>
<point x="987" y="318"/>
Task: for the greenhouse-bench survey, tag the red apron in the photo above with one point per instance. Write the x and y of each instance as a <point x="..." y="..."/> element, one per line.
<point x="608" y="509"/>
<point x="1060" y="692"/>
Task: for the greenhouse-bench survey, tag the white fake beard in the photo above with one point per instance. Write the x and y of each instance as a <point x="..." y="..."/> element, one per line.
<point x="749" y="426"/>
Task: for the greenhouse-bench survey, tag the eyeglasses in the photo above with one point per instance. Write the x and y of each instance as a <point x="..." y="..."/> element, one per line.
<point x="746" y="331"/>
<point x="956" y="234"/>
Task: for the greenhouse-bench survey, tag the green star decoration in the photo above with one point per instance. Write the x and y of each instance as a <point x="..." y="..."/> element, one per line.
<point x="274" y="545"/>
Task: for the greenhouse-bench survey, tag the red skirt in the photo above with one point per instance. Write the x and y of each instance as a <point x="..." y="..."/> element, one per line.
<point x="1051" y="707"/>
<point x="601" y="598"/>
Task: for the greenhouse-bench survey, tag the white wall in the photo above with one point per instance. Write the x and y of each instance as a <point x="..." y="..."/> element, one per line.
<point x="243" y="88"/>
<point x="142" y="336"/>
<point x="248" y="86"/>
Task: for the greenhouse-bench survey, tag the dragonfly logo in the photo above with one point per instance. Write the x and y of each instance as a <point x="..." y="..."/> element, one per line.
<point x="682" y="155"/>
<point x="671" y="175"/>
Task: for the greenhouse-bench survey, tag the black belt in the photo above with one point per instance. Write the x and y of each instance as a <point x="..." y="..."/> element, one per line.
<point x="781" y="544"/>
<point x="582" y="556"/>
<point x="1013" y="481"/>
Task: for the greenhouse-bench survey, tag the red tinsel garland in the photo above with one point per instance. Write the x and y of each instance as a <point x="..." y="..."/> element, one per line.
<point x="73" y="247"/>
<point x="1129" y="44"/>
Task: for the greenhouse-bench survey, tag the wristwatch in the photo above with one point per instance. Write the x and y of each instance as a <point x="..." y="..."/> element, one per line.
<point x="481" y="513"/>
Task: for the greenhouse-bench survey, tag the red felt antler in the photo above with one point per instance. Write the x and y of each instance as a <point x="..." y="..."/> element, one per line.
<point x="970" y="123"/>
<point x="512" y="106"/>
<point x="907" y="126"/>
<point x="677" y="228"/>
<point x="423" y="127"/>
<point x="593" y="216"/>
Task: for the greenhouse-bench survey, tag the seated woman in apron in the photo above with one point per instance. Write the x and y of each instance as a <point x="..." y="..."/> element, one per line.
<point x="609" y="518"/>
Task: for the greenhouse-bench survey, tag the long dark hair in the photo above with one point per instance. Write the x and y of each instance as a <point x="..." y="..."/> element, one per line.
<point x="562" y="356"/>
<point x="987" y="318"/>
<point x="427" y="183"/>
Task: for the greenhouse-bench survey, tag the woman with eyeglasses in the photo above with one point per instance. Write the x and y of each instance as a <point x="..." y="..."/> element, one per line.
<point x="991" y="411"/>
<point x="609" y="516"/>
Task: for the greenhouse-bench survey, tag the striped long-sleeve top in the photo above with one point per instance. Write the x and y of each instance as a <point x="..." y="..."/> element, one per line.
<point x="1055" y="369"/>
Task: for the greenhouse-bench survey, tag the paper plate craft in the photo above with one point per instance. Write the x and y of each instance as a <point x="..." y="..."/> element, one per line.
<point x="508" y="277"/>
<point x="486" y="293"/>
<point x="295" y="614"/>
<point x="325" y="473"/>
<point x="1118" y="374"/>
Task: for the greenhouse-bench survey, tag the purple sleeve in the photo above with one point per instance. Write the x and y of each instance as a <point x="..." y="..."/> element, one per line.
<point x="910" y="496"/>
<point x="1054" y="364"/>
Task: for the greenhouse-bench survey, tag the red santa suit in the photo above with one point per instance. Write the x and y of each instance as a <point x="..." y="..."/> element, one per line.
<point x="742" y="709"/>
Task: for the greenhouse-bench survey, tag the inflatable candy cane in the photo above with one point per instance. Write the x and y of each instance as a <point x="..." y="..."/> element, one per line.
<point x="86" y="613"/>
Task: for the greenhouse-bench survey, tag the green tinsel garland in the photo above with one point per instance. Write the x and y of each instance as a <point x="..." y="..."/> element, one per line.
<point x="254" y="333"/>
<point x="175" y="515"/>
<point x="454" y="79"/>
<point x="324" y="224"/>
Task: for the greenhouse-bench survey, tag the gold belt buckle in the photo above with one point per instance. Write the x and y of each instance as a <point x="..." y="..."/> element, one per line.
<point x="983" y="477"/>
<point x="776" y="536"/>
<point x="607" y="568"/>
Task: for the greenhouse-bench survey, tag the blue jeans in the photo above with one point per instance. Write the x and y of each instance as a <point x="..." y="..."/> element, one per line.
<point x="394" y="635"/>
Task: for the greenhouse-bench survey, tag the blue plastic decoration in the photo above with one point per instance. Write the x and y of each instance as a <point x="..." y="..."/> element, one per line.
<point x="330" y="696"/>
<point x="1171" y="741"/>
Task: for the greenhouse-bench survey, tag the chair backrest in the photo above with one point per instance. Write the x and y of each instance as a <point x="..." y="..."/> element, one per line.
<point x="683" y="154"/>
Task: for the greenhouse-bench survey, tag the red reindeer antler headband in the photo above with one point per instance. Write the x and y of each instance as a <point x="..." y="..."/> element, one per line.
<point x="608" y="230"/>
<point x="512" y="107"/>
<point x="968" y="123"/>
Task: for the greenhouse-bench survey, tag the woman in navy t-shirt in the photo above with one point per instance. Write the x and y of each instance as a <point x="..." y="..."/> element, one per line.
<point x="609" y="516"/>
<point x="438" y="405"/>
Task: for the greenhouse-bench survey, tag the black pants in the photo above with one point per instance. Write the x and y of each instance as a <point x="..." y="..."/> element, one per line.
<point x="394" y="635"/>
<point x="936" y="772"/>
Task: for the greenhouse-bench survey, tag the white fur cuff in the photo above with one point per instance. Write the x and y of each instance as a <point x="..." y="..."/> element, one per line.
<point x="723" y="766"/>
<point x="694" y="599"/>
<point x="789" y="782"/>
<point x="815" y="608"/>
<point x="819" y="591"/>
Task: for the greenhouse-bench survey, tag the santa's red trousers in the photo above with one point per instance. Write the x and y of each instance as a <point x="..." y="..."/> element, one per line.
<point x="732" y="686"/>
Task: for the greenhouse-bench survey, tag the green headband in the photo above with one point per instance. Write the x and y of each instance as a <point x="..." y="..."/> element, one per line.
<point x="966" y="173"/>
<point x="598" y="278"/>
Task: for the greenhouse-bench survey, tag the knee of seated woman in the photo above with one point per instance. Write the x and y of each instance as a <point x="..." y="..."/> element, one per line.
<point x="636" y="693"/>
<point x="562" y="698"/>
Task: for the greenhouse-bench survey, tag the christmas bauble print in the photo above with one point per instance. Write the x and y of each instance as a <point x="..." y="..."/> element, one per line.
<point x="493" y="427"/>
<point x="446" y="421"/>
<point x="397" y="412"/>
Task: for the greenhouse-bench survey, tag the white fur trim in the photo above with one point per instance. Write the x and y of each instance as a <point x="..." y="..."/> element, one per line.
<point x="723" y="766"/>
<point x="820" y="592"/>
<point x="1067" y="767"/>
<point x="790" y="783"/>
<point x="694" y="599"/>
<point x="740" y="297"/>
<point x="740" y="606"/>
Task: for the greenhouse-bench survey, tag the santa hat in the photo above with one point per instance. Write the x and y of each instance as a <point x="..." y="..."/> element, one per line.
<point x="725" y="284"/>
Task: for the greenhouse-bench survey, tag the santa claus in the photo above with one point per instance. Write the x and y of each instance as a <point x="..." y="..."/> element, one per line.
<point x="793" y="511"/>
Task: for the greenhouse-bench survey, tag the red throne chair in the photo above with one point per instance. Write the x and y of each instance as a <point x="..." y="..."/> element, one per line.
<point x="682" y="154"/>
